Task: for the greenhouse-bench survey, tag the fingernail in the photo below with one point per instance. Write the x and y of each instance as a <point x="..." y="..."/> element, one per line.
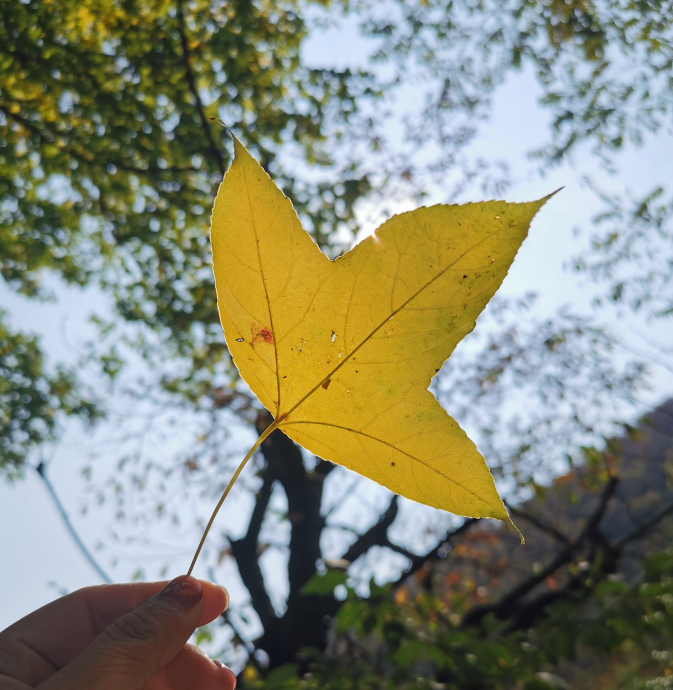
<point x="185" y="592"/>
<point x="226" y="597"/>
<point x="228" y="671"/>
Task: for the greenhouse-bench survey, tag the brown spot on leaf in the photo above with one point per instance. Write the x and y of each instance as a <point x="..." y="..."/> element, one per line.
<point x="326" y="384"/>
<point x="261" y="335"/>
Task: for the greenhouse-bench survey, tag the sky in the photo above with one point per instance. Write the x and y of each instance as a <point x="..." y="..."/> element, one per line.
<point x="39" y="558"/>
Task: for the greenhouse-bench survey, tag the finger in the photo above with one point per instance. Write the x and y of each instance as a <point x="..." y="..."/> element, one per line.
<point x="192" y="669"/>
<point x="54" y="634"/>
<point x="106" y="603"/>
<point x="7" y="683"/>
<point x="131" y="649"/>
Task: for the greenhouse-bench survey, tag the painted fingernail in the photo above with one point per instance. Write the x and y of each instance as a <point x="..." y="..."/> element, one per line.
<point x="228" y="671"/>
<point x="184" y="592"/>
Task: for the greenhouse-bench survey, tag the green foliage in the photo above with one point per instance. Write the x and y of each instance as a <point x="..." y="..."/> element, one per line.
<point x="31" y="399"/>
<point x="387" y="642"/>
<point x="109" y="162"/>
<point x="323" y="585"/>
<point x="633" y="253"/>
<point x="282" y="676"/>
<point x="204" y="635"/>
<point x="603" y="66"/>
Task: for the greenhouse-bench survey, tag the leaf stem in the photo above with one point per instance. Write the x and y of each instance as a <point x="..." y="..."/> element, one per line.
<point x="272" y="427"/>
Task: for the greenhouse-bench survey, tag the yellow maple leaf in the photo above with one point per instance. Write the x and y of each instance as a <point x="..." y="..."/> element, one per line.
<point x="342" y="352"/>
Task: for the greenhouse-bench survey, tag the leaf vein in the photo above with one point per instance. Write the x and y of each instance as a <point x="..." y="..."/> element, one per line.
<point x="399" y="450"/>
<point x="266" y="291"/>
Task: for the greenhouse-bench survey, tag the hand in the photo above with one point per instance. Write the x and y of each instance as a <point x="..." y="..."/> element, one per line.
<point x="117" y="637"/>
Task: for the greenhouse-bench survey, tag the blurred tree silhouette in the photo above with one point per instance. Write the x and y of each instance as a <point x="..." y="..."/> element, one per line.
<point x="109" y="161"/>
<point x="30" y="399"/>
<point x="634" y="255"/>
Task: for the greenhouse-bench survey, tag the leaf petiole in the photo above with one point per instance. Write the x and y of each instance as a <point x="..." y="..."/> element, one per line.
<point x="272" y="427"/>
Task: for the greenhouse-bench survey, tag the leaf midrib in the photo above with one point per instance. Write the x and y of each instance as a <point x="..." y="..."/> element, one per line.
<point x="385" y="320"/>
<point x="394" y="447"/>
<point x="266" y="292"/>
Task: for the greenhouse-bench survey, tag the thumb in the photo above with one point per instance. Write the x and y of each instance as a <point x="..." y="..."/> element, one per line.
<point x="131" y="649"/>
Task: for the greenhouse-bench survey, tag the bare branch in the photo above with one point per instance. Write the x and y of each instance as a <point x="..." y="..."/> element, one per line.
<point x="41" y="470"/>
<point x="506" y="607"/>
<point x="375" y="536"/>
<point x="323" y="468"/>
<point x="215" y="151"/>
<point x="440" y="550"/>
<point x="245" y="552"/>
<point x="339" y="502"/>
<point x="226" y="616"/>
<point x="238" y="635"/>
<point x="536" y="522"/>
<point x="646" y="527"/>
<point x="400" y="549"/>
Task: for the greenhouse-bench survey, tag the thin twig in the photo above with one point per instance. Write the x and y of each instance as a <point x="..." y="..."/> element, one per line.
<point x="644" y="529"/>
<point x="41" y="470"/>
<point x="417" y="562"/>
<point x="194" y="91"/>
<point x="543" y="527"/>
<point x="346" y="494"/>
<point x="91" y="162"/>
<point x="505" y="607"/>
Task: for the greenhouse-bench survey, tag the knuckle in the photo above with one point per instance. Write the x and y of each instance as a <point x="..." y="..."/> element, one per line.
<point x="136" y="633"/>
<point x="132" y="626"/>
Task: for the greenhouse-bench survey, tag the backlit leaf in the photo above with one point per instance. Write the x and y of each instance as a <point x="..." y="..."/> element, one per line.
<point x="342" y="352"/>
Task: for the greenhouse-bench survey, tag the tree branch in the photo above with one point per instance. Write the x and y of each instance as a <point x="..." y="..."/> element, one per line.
<point x="245" y="552"/>
<point x="95" y="162"/>
<point x="375" y="536"/>
<point x="238" y="635"/>
<point x="603" y="558"/>
<point x="645" y="528"/>
<point x="41" y="470"/>
<point x="536" y="522"/>
<point x="214" y="150"/>
<point x="417" y="562"/>
<point x="306" y="619"/>
<point x="346" y="494"/>
<point x="399" y="549"/>
<point x="506" y="607"/>
<point x="323" y="468"/>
